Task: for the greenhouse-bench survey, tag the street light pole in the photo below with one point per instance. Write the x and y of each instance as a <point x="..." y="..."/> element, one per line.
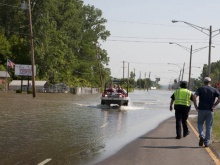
<point x="190" y="60"/>
<point x="179" y="67"/>
<point x="178" y="74"/>
<point x="210" y="39"/>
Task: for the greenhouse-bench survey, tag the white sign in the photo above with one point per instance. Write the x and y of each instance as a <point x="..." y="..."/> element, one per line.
<point x="24" y="70"/>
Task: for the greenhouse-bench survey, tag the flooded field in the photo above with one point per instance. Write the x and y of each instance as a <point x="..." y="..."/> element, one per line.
<point x="68" y="129"/>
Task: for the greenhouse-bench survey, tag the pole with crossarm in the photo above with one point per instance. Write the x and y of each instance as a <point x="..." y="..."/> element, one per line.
<point x="210" y="33"/>
<point x="190" y="60"/>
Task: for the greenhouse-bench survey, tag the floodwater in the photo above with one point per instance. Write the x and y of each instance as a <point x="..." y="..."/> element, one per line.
<point x="65" y="129"/>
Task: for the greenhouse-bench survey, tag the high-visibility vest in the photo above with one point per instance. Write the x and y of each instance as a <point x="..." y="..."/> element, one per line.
<point x="182" y="97"/>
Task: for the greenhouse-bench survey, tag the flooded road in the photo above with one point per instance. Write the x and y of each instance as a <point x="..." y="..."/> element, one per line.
<point x="68" y="129"/>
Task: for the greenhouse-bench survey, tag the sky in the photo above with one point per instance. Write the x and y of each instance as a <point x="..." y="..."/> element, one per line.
<point x="141" y="31"/>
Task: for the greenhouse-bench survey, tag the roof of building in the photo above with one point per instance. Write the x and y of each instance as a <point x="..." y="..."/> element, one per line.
<point x="25" y="82"/>
<point x="4" y="73"/>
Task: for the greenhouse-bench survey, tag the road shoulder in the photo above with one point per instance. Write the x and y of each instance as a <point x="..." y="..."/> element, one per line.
<point x="215" y="147"/>
<point x="159" y="146"/>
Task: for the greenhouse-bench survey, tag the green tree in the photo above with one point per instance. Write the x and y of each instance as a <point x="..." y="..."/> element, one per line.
<point x="66" y="34"/>
<point x="4" y="51"/>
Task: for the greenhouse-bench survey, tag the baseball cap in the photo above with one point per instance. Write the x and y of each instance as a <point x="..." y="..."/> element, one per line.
<point x="207" y="79"/>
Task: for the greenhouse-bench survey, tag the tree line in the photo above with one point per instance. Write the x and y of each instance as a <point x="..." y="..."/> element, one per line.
<point x="215" y="75"/>
<point x="66" y="35"/>
<point x="198" y="82"/>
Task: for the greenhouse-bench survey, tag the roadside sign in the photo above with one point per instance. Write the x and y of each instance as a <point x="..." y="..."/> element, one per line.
<point x="24" y="70"/>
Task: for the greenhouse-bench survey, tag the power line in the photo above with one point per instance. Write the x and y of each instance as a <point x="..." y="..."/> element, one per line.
<point x="144" y="23"/>
<point x="155" y="38"/>
<point x="159" y="42"/>
<point x="148" y="63"/>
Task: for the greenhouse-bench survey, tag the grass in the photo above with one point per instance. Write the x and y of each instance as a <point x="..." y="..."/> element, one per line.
<point x="216" y="126"/>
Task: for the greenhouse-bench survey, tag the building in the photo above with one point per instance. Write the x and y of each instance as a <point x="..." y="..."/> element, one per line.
<point x="4" y="75"/>
<point x="41" y="86"/>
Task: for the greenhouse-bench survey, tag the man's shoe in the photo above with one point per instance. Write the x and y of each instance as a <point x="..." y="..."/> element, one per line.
<point x="208" y="145"/>
<point x="178" y="137"/>
<point x="186" y="134"/>
<point x="201" y="141"/>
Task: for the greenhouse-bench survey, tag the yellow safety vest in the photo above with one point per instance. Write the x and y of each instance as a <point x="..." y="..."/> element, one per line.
<point x="182" y="97"/>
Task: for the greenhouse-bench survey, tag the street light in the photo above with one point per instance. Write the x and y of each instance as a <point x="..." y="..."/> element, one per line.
<point x="174" y="64"/>
<point x="190" y="60"/>
<point x="181" y="69"/>
<point x="175" y="72"/>
<point x="25" y="7"/>
<point x="193" y="67"/>
<point x="178" y="74"/>
<point x="210" y="32"/>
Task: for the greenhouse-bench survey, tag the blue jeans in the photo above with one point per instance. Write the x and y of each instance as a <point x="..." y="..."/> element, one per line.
<point x="207" y="117"/>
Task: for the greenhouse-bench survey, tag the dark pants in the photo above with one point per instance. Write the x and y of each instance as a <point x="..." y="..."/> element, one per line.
<point x="181" y="114"/>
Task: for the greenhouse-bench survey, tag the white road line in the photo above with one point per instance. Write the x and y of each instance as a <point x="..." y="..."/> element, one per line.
<point x="104" y="125"/>
<point x="45" y="161"/>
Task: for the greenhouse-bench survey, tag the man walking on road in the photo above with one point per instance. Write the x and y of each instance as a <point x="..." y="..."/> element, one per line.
<point x="207" y="96"/>
<point x="182" y="98"/>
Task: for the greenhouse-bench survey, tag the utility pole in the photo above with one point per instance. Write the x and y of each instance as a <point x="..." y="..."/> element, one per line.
<point x="209" y="33"/>
<point x="210" y="43"/>
<point x="190" y="60"/>
<point x="140" y="80"/>
<point x="144" y="81"/>
<point x="6" y="78"/>
<point x="134" y="77"/>
<point x="128" y="72"/>
<point x="149" y="81"/>
<point x="183" y="71"/>
<point x="123" y="69"/>
<point x="190" y="65"/>
<point x="180" y="76"/>
<point x="32" y="48"/>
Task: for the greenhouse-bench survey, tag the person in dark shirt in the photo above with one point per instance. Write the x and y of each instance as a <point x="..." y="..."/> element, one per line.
<point x="207" y="103"/>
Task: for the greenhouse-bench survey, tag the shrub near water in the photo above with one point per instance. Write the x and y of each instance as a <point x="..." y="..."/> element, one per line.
<point x="18" y="91"/>
<point x="29" y="91"/>
<point x="216" y="125"/>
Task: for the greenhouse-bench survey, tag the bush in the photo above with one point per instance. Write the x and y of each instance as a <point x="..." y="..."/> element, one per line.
<point x="29" y="91"/>
<point x="2" y="87"/>
<point x="18" y="91"/>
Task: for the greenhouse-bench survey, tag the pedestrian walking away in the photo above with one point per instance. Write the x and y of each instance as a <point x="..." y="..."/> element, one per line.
<point x="209" y="98"/>
<point x="182" y="98"/>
